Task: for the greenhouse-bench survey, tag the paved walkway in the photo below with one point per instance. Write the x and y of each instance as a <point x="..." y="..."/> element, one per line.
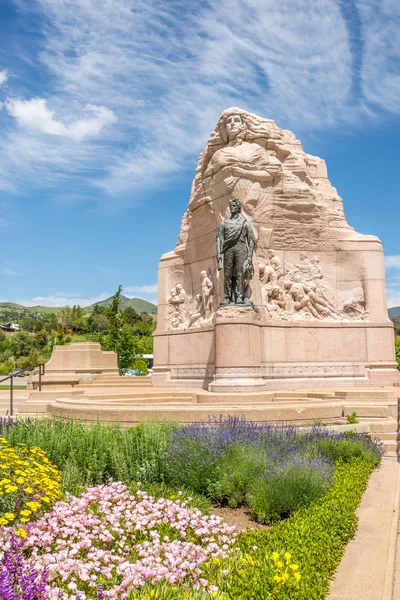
<point x="370" y="568"/>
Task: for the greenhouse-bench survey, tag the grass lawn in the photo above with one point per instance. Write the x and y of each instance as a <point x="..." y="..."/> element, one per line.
<point x="15" y="387"/>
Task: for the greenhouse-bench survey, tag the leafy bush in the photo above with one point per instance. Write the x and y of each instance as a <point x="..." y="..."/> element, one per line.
<point x="350" y="445"/>
<point x="287" y="487"/>
<point x="397" y="347"/>
<point x="274" y="470"/>
<point x="316" y="537"/>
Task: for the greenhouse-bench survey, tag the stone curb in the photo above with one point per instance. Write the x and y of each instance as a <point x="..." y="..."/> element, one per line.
<point x="372" y="558"/>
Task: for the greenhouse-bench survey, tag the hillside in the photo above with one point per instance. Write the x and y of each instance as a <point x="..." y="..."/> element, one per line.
<point x="394" y="312"/>
<point x="10" y="310"/>
<point x="138" y="304"/>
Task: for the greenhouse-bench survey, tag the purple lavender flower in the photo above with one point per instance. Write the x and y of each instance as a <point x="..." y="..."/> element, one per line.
<point x="17" y="580"/>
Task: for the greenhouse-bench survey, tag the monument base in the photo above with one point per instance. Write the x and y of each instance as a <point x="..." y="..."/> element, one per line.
<point x="245" y="351"/>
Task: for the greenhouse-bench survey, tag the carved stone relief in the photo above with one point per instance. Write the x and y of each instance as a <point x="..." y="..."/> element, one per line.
<point x="299" y="291"/>
<point x="184" y="312"/>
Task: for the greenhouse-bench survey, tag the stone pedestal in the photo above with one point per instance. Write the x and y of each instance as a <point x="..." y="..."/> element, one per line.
<point x="318" y="284"/>
<point x="79" y="362"/>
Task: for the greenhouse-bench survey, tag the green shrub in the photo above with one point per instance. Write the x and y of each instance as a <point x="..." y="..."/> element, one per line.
<point x="352" y="419"/>
<point x="315" y="536"/>
<point x="349" y="446"/>
<point x="397" y="347"/>
<point x="234" y="472"/>
<point x="284" y="489"/>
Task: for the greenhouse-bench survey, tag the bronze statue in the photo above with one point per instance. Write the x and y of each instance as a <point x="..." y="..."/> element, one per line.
<point x="236" y="242"/>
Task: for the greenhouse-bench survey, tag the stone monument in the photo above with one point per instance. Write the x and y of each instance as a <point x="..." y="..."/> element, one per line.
<point x="300" y="300"/>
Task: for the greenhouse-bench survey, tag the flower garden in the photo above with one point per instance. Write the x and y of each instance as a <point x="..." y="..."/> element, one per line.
<point x="102" y="512"/>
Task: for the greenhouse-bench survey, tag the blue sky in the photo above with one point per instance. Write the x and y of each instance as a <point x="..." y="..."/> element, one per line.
<point x="106" y="104"/>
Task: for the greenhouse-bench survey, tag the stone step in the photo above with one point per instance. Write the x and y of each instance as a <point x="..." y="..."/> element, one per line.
<point x="387" y="435"/>
<point x="117" y="384"/>
<point x="188" y="413"/>
<point x="126" y="402"/>
<point x="382" y="425"/>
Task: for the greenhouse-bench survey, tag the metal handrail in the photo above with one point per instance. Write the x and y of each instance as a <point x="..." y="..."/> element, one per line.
<point x="11" y="378"/>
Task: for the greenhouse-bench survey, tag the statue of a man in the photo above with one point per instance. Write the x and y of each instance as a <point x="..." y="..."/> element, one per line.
<point x="235" y="241"/>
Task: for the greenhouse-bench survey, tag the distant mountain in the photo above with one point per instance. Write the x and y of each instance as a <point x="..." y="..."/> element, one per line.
<point x="18" y="310"/>
<point x="27" y="310"/>
<point x="394" y="312"/>
<point x="138" y="304"/>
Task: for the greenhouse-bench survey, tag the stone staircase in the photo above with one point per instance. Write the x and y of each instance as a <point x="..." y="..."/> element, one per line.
<point x="130" y="400"/>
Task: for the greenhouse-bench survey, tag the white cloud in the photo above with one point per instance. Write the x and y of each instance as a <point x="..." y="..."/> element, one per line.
<point x="35" y="114"/>
<point x="142" y="289"/>
<point x="61" y="299"/>
<point x="392" y="262"/>
<point x="3" y="77"/>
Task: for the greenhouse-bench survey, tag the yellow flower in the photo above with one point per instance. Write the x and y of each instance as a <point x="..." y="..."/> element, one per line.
<point x="26" y="513"/>
<point x="216" y="561"/>
<point x="294" y="567"/>
<point x="9" y="516"/>
<point x="288" y="556"/>
<point x="277" y="579"/>
<point x="279" y="564"/>
<point x="3" y="521"/>
<point x="28" y="489"/>
<point x="275" y="556"/>
<point x="20" y="480"/>
<point x="285" y="576"/>
<point x="21" y="532"/>
<point x="11" y="488"/>
<point x="297" y="576"/>
<point x="24" y="520"/>
<point x="240" y="571"/>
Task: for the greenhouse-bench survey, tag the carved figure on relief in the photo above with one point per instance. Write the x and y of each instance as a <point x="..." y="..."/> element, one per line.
<point x="236" y="161"/>
<point x="177" y="302"/>
<point x="207" y="291"/>
<point x="299" y="291"/>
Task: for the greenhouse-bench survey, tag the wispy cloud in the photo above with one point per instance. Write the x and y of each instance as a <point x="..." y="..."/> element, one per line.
<point x="167" y="69"/>
<point x="60" y="299"/>
<point x="3" y="77"/>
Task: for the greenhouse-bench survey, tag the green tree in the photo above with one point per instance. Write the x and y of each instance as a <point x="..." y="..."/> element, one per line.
<point x="51" y="322"/>
<point x="22" y="343"/>
<point x="126" y="349"/>
<point x="99" y="309"/>
<point x="41" y="339"/>
<point x="114" y="318"/>
<point x="130" y="315"/>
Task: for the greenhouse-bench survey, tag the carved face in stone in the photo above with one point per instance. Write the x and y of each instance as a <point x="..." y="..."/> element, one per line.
<point x="234" y="125"/>
<point x="203" y="273"/>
